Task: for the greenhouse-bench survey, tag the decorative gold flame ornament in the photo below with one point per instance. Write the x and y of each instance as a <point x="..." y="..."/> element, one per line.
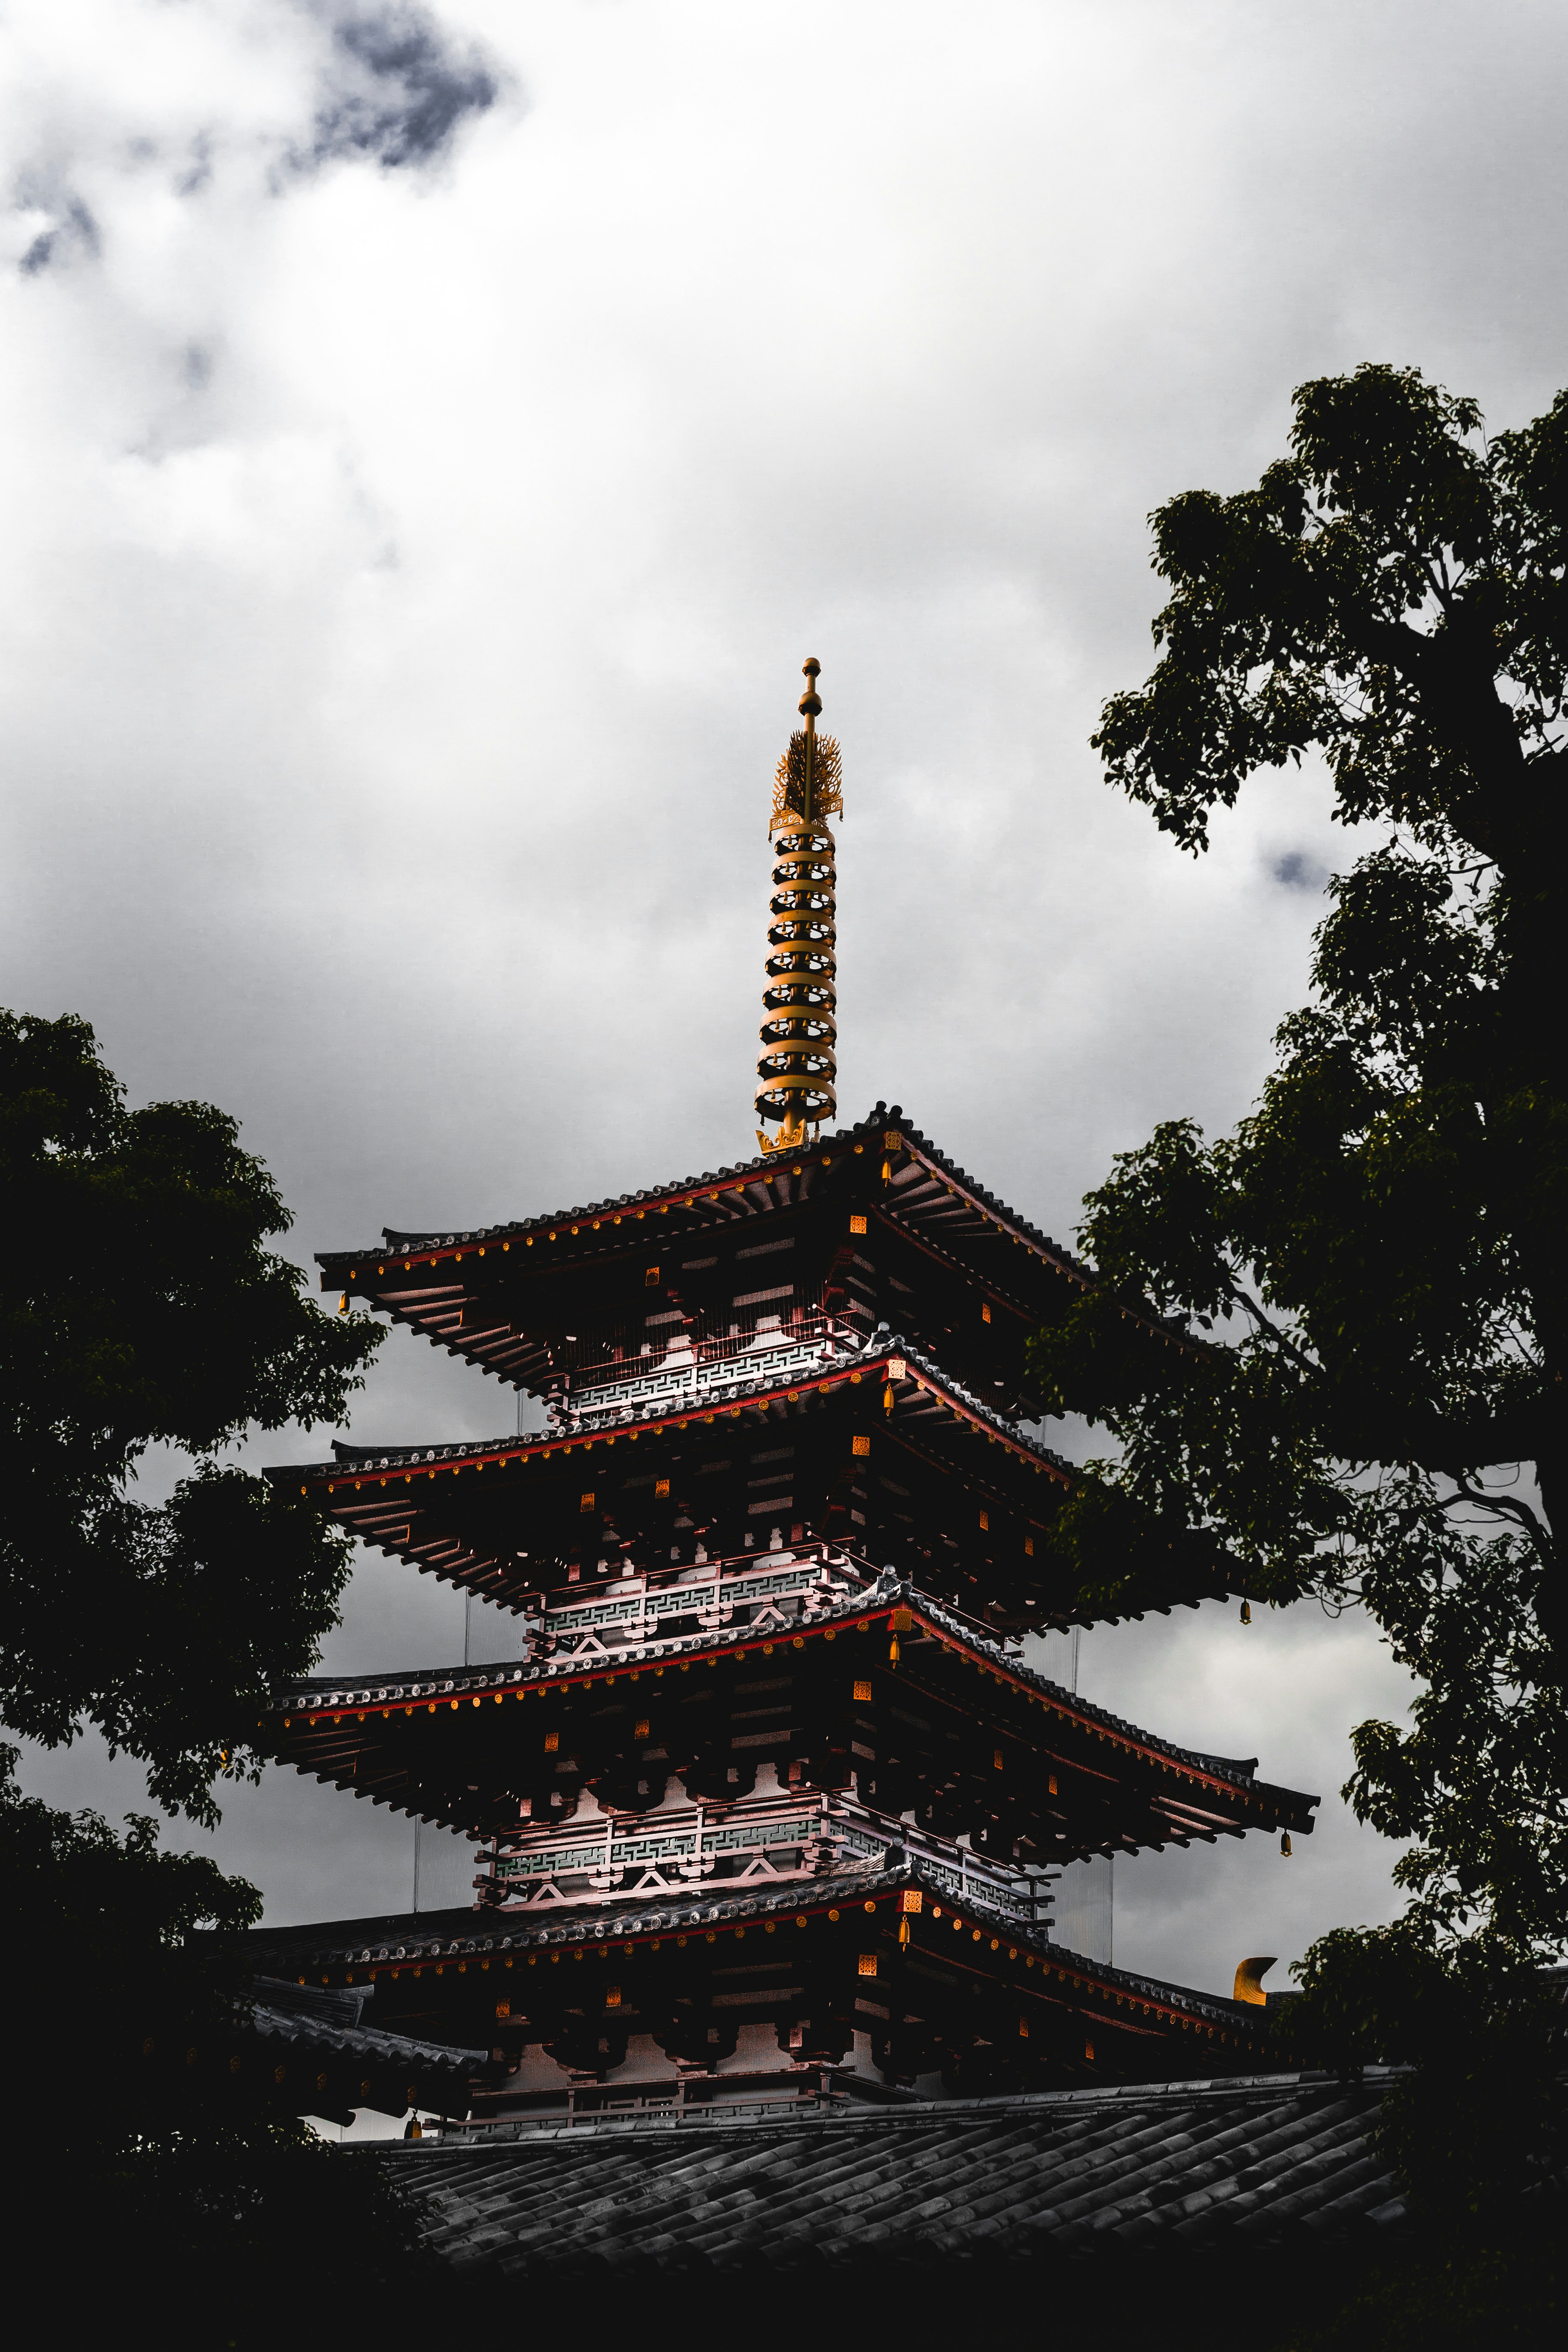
<point x="796" y="1067"/>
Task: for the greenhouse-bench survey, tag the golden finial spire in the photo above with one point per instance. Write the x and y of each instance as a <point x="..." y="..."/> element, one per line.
<point x="796" y="1068"/>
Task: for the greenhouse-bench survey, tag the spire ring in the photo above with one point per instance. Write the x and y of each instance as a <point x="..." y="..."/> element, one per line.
<point x="796" y="1069"/>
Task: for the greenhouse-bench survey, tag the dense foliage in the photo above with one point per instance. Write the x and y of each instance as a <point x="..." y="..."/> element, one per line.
<point x="147" y="1946"/>
<point x="1367" y="1281"/>
<point x="146" y="2107"/>
<point x="140" y="1307"/>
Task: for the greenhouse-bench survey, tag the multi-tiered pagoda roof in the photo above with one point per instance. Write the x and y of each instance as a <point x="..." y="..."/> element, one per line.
<point x="768" y="1802"/>
<point x="834" y="1684"/>
<point x="852" y="1323"/>
<point x="938" y="1257"/>
<point x="772" y="1559"/>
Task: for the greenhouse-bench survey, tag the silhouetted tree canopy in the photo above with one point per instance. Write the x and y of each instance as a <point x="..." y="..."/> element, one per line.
<point x="1370" y="1274"/>
<point x="141" y="1307"/>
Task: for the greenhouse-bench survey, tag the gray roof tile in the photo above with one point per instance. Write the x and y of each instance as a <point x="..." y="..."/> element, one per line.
<point x="1192" y="2164"/>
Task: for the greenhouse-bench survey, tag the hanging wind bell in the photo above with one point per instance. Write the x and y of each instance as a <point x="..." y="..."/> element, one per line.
<point x="796" y="1068"/>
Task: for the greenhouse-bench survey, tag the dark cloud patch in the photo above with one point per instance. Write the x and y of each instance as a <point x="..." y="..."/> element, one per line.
<point x="1297" y="871"/>
<point x="193" y="177"/>
<point x="72" y="232"/>
<point x="397" y="88"/>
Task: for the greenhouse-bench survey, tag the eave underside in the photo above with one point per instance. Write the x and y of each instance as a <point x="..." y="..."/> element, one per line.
<point x="881" y="1453"/>
<point x="886" y="1688"/>
<point x="477" y="1292"/>
<point x="956" y="1987"/>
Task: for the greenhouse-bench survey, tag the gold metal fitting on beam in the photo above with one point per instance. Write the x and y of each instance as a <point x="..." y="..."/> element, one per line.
<point x="796" y="1068"/>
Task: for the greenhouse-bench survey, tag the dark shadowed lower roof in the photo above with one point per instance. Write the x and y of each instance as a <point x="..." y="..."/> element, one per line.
<point x="326" y="2059"/>
<point x="327" y="2021"/>
<point x="1223" y="2164"/>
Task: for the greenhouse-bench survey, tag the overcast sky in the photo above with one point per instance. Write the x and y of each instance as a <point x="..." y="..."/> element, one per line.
<point x="433" y="439"/>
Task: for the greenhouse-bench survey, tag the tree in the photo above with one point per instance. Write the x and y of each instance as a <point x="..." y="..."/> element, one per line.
<point x="143" y="1951"/>
<point x="209" y="2202"/>
<point x="141" y="1307"/>
<point x="1366" y="1282"/>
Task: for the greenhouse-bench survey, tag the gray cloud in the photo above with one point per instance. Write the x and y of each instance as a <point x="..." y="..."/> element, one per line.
<point x="195" y="170"/>
<point x="447" y="874"/>
<point x="397" y="87"/>
<point x="263" y="95"/>
<point x="72" y="232"/>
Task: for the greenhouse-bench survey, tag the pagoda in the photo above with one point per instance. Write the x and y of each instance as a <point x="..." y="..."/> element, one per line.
<point x="773" y="1561"/>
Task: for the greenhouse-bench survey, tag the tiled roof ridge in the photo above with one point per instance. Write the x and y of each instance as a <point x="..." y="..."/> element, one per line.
<point x="881" y="1115"/>
<point x="364" y="2040"/>
<point x="895" y="1344"/>
<point x="325" y="2004"/>
<point x="614" y="1926"/>
<point x="484" y="1677"/>
<point x="483" y="2142"/>
<point x="332" y="2016"/>
<point x="1173" y="1330"/>
<point x="393" y="1238"/>
<point x="883" y="1342"/>
<point x="889" y="1591"/>
<point x="998" y="1208"/>
<point x="1274" y="2171"/>
<point x="1241" y="1767"/>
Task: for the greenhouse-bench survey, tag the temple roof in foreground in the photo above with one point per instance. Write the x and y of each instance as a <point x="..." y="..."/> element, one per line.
<point x="1192" y="2166"/>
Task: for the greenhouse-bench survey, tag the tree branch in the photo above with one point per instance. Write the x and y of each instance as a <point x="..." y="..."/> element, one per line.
<point x="1506" y="1506"/>
<point x="1264" y="1323"/>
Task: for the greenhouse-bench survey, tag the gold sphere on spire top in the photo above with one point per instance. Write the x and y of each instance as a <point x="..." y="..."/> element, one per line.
<point x="796" y="1068"/>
